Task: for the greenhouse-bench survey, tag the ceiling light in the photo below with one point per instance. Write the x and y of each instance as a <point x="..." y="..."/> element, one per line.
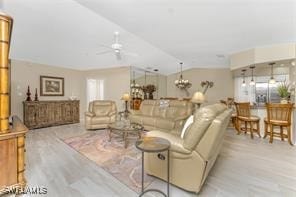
<point x="293" y="63"/>
<point x="252" y="82"/>
<point x="272" y="80"/>
<point x="182" y="83"/>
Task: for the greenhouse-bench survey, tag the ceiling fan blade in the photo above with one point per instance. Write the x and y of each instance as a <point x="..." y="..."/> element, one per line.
<point x="104" y="52"/>
<point x="105" y="46"/>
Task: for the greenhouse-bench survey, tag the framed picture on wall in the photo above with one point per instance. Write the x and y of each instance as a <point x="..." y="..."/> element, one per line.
<point x="51" y="86"/>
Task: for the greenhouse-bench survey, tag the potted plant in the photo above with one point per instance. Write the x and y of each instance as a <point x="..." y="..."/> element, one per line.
<point x="283" y="91"/>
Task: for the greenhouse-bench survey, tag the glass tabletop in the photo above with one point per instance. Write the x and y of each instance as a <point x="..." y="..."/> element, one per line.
<point x="153" y="144"/>
<point x="126" y="126"/>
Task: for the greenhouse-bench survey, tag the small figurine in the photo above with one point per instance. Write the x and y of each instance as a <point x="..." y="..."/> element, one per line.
<point x="28" y="94"/>
<point x="36" y="95"/>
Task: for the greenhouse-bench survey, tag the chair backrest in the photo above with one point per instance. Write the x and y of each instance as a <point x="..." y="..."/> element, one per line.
<point x="203" y="118"/>
<point x="102" y="107"/>
<point x="280" y="112"/>
<point x="243" y="109"/>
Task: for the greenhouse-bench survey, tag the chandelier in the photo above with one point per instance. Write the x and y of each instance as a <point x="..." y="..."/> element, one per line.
<point x="182" y="83"/>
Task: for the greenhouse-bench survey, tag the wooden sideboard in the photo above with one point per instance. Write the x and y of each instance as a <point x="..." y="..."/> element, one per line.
<point x="38" y="114"/>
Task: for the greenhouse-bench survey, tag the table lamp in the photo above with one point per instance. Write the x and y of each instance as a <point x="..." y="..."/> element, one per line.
<point x="126" y="97"/>
<point x="198" y="98"/>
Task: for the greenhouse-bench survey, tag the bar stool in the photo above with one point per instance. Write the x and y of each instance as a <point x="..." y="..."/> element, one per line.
<point x="278" y="115"/>
<point x="243" y="111"/>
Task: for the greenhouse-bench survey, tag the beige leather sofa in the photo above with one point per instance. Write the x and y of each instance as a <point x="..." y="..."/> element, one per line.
<point x="192" y="157"/>
<point x="167" y="118"/>
<point x="100" y="114"/>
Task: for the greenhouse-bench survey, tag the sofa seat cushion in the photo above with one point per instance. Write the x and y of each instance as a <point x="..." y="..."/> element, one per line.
<point x="100" y="120"/>
<point x="148" y="120"/>
<point x="136" y="119"/>
<point x="164" y="123"/>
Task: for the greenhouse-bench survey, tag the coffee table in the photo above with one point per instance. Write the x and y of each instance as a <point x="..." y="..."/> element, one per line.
<point x="155" y="145"/>
<point x="125" y="128"/>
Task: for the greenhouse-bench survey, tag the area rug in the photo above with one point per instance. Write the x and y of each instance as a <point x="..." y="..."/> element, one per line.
<point x="123" y="163"/>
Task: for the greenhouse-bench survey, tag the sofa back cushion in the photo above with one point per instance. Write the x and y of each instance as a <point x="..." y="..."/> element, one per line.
<point x="209" y="146"/>
<point x="178" y="109"/>
<point x="202" y="120"/>
<point x="147" y="107"/>
<point x="102" y="107"/>
<point x="159" y="109"/>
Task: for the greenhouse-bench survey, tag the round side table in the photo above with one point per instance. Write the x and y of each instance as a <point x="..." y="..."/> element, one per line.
<point x="154" y="145"/>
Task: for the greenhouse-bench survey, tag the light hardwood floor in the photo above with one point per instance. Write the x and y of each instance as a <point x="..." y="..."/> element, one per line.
<point x="245" y="167"/>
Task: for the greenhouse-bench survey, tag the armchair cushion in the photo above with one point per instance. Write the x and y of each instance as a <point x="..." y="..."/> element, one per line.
<point x="176" y="141"/>
<point x="90" y="114"/>
<point x="100" y="120"/>
<point x="101" y="110"/>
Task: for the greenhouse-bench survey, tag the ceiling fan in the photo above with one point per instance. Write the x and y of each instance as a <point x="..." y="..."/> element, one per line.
<point x="116" y="48"/>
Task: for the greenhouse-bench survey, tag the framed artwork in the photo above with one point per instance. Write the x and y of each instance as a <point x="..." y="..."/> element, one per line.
<point x="51" y="86"/>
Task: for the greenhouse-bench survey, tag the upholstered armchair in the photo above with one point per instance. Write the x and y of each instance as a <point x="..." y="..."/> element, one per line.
<point x="100" y="113"/>
<point x="191" y="157"/>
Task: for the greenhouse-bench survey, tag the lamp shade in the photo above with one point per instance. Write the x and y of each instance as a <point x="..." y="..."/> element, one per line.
<point x="125" y="97"/>
<point x="198" y="97"/>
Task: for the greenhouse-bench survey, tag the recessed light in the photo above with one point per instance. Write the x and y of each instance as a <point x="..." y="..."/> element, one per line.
<point x="155" y="70"/>
<point x="293" y="63"/>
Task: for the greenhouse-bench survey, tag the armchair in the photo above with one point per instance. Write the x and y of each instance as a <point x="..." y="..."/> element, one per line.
<point x="100" y="113"/>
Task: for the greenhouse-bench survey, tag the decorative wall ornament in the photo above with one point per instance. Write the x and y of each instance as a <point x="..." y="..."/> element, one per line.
<point x="51" y="86"/>
<point x="206" y="85"/>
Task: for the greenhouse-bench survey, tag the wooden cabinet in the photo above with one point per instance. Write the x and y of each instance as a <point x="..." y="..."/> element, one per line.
<point x="38" y="114"/>
<point x="12" y="156"/>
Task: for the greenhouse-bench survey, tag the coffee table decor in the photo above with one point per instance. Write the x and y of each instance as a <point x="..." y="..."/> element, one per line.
<point x="125" y="128"/>
<point x="155" y="145"/>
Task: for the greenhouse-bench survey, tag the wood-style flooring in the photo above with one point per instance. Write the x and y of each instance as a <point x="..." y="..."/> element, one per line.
<point x="245" y="167"/>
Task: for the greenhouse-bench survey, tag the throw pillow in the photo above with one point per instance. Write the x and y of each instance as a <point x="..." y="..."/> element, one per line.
<point x="186" y="125"/>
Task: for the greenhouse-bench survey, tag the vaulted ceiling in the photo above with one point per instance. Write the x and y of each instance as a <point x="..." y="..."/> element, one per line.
<point x="154" y="33"/>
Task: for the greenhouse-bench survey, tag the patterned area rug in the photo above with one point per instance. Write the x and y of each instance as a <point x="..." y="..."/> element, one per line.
<point x="123" y="164"/>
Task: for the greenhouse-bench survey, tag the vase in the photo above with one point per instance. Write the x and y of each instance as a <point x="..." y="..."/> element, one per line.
<point x="284" y="100"/>
<point x="151" y="95"/>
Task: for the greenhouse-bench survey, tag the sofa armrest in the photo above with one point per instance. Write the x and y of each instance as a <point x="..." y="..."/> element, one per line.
<point x="135" y="112"/>
<point x="176" y="141"/>
<point x="112" y="113"/>
<point x="181" y="118"/>
<point x="90" y="114"/>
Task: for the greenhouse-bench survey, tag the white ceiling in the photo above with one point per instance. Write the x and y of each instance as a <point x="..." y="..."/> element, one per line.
<point x="69" y="33"/>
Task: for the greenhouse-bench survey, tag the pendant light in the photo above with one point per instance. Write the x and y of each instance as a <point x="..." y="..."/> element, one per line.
<point x="272" y="80"/>
<point x="182" y="83"/>
<point x="244" y="81"/>
<point x="252" y="82"/>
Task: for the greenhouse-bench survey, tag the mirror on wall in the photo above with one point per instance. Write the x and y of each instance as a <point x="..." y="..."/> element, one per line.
<point x="146" y="84"/>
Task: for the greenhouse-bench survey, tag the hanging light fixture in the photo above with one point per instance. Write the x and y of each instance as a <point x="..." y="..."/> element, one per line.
<point x="252" y="82"/>
<point x="244" y="81"/>
<point x="272" y="80"/>
<point x="182" y="83"/>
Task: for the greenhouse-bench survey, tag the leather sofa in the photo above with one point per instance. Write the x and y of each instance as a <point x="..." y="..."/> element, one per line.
<point x="169" y="117"/>
<point x="192" y="157"/>
<point x="100" y="114"/>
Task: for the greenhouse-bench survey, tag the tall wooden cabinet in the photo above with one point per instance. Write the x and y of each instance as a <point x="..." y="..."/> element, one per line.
<point x="38" y="114"/>
<point x="12" y="138"/>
